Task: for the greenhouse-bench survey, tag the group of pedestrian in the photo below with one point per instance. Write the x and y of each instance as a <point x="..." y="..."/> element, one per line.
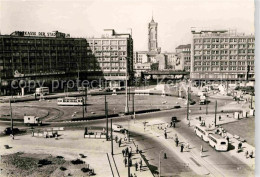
<point x="251" y="155"/>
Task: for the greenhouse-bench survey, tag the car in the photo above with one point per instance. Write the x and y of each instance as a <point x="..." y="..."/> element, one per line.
<point x="8" y="131"/>
<point x="174" y="119"/>
<point x="118" y="128"/>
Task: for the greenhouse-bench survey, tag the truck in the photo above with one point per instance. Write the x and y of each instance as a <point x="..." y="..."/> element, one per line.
<point x="32" y="120"/>
<point x="203" y="99"/>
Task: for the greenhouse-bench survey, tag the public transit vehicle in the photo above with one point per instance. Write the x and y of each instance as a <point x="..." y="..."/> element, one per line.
<point x="218" y="142"/>
<point x="202" y="132"/>
<point x="70" y="101"/>
<point x="42" y="91"/>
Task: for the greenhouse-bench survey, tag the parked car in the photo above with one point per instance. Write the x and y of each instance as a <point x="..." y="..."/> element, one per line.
<point x="8" y="131"/>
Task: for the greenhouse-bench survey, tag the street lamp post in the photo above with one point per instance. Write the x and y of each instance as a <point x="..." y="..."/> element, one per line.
<point x="216" y="103"/>
<point x="11" y="115"/>
<point x="106" y="117"/>
<point x="126" y="90"/>
<point x="160" y="162"/>
<point x="188" y="102"/>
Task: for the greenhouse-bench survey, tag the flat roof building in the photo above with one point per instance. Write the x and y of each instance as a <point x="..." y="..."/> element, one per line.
<point x="222" y="55"/>
<point x="41" y="56"/>
<point x="114" y="55"/>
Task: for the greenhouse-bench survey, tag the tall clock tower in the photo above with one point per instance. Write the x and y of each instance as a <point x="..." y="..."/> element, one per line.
<point x="152" y="37"/>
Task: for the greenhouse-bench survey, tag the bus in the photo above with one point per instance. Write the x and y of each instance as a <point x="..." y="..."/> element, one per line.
<point x="70" y="101"/>
<point x="218" y="142"/>
<point x="42" y="91"/>
<point x="202" y="132"/>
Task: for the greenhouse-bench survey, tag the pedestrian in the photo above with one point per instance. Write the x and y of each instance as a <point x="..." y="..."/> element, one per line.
<point x="136" y="166"/>
<point x="137" y="150"/>
<point x="123" y="152"/>
<point x="189" y="123"/>
<point x="251" y="154"/>
<point x="201" y="148"/>
<point x="116" y="138"/>
<point x="246" y="154"/>
<point x="141" y="162"/>
<point x="182" y="147"/>
<point x="177" y="142"/>
<point x="130" y="163"/>
<point x="130" y="149"/>
<point x="125" y="161"/>
<point x="240" y="145"/>
<point x="165" y="135"/>
<point x="227" y="139"/>
<point x="126" y="151"/>
<point x="171" y="124"/>
<point x="174" y="125"/>
<point x="120" y="141"/>
<point x="130" y="154"/>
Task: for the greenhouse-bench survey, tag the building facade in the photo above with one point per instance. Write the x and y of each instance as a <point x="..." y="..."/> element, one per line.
<point x="222" y="55"/>
<point x="141" y="67"/>
<point x="41" y="56"/>
<point x="184" y="55"/>
<point x="141" y="57"/>
<point x="114" y="55"/>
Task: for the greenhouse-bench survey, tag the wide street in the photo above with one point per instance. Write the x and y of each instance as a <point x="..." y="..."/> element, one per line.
<point x="152" y="142"/>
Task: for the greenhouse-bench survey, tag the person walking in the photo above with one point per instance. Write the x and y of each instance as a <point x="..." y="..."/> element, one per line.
<point x="130" y="149"/>
<point x="136" y="166"/>
<point x="141" y="165"/>
<point x="251" y="154"/>
<point x="246" y="154"/>
<point x="126" y="151"/>
<point x="123" y="152"/>
<point x="165" y="135"/>
<point x="177" y="142"/>
<point x="174" y="125"/>
<point x="125" y="161"/>
<point x="116" y="138"/>
<point x="182" y="147"/>
<point x="130" y="162"/>
<point x="120" y="141"/>
<point x="137" y="150"/>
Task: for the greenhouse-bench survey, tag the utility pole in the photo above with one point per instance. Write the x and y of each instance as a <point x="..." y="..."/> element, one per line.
<point x="11" y="115"/>
<point x="206" y="105"/>
<point x="112" y="151"/>
<point x="126" y="90"/>
<point x="83" y="111"/>
<point x="188" y="102"/>
<point x="106" y="117"/>
<point x="133" y="102"/>
<point x="86" y="96"/>
<point x="216" y="103"/>
<point x="128" y="165"/>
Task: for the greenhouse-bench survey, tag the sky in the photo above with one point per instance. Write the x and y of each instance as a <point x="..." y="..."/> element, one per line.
<point x="89" y="18"/>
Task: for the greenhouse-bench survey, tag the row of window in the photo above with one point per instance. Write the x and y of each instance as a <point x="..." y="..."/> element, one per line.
<point x="224" y="46"/>
<point x="240" y="57"/>
<point x="224" y="52"/>
<point x="224" y="40"/>
<point x="107" y="42"/>
<point x="222" y="68"/>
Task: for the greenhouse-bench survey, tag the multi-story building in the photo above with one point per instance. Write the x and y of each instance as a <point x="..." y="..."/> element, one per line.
<point x="183" y="53"/>
<point x="43" y="57"/>
<point x="222" y="55"/>
<point x="141" y="57"/>
<point x="141" y="67"/>
<point x="173" y="61"/>
<point x="114" y="55"/>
